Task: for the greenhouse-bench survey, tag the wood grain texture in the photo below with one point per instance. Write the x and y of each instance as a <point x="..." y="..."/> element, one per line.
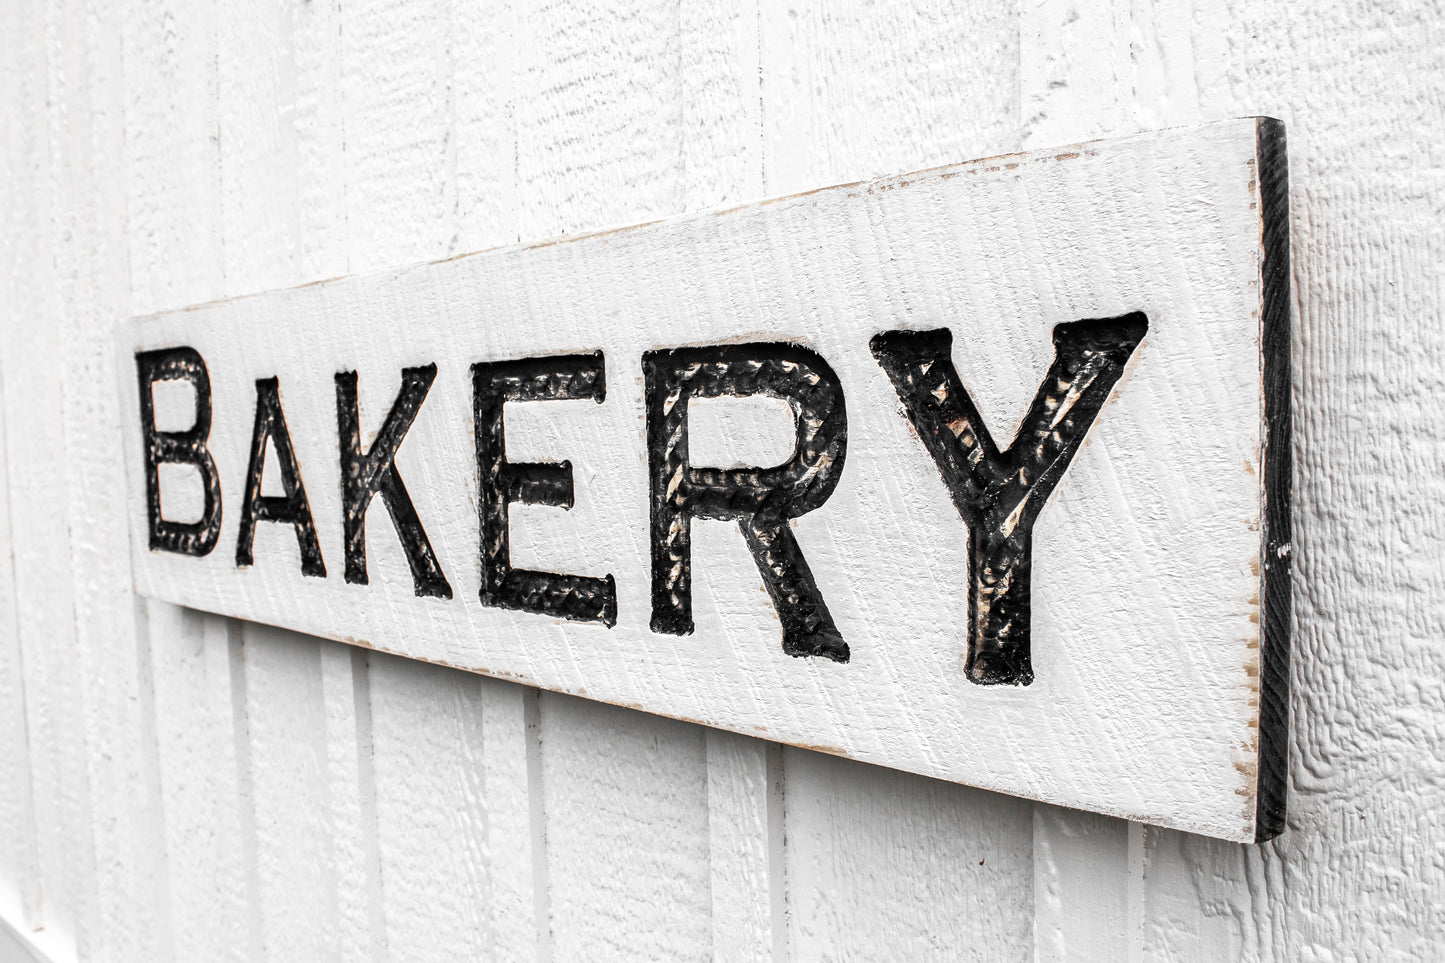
<point x="598" y="114"/>
<point x="290" y="738"/>
<point x="21" y="861"/>
<point x="57" y="672"/>
<point x="1358" y="87"/>
<point x="746" y="847"/>
<point x="17" y="803"/>
<point x="855" y="90"/>
<point x="205" y="782"/>
<point x="1081" y="900"/>
<point x="605" y="794"/>
<point x="516" y="822"/>
<point x="433" y="878"/>
<point x="722" y="145"/>
<point x="890" y="865"/>
<point x="349" y="795"/>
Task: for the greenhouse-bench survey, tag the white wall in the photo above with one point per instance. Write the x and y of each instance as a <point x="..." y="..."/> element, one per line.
<point x="175" y="786"/>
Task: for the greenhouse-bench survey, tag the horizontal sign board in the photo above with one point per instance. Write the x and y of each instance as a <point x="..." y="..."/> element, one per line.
<point x="980" y="472"/>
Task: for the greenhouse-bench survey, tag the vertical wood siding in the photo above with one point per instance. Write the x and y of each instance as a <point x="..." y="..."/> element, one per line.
<point x="176" y="786"/>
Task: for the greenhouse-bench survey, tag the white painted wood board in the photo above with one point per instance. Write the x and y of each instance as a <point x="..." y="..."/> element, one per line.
<point x="849" y="90"/>
<point x="1145" y="605"/>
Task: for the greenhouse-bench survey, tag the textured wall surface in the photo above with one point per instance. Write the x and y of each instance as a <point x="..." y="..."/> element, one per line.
<point x="175" y="786"/>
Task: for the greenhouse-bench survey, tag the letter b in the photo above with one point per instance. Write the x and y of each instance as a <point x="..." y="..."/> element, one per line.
<point x="180" y="448"/>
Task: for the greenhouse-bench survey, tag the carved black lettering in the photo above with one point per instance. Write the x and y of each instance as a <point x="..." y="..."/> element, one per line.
<point x="564" y="377"/>
<point x="762" y="500"/>
<point x="999" y="494"/>
<point x="364" y="473"/>
<point x="179" y="447"/>
<point x="291" y="507"/>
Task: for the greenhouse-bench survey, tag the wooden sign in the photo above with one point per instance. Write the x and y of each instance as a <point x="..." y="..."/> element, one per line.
<point x="980" y="472"/>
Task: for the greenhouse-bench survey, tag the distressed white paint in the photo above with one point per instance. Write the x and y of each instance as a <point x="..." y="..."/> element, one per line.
<point x="113" y="203"/>
<point x="1144" y="611"/>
